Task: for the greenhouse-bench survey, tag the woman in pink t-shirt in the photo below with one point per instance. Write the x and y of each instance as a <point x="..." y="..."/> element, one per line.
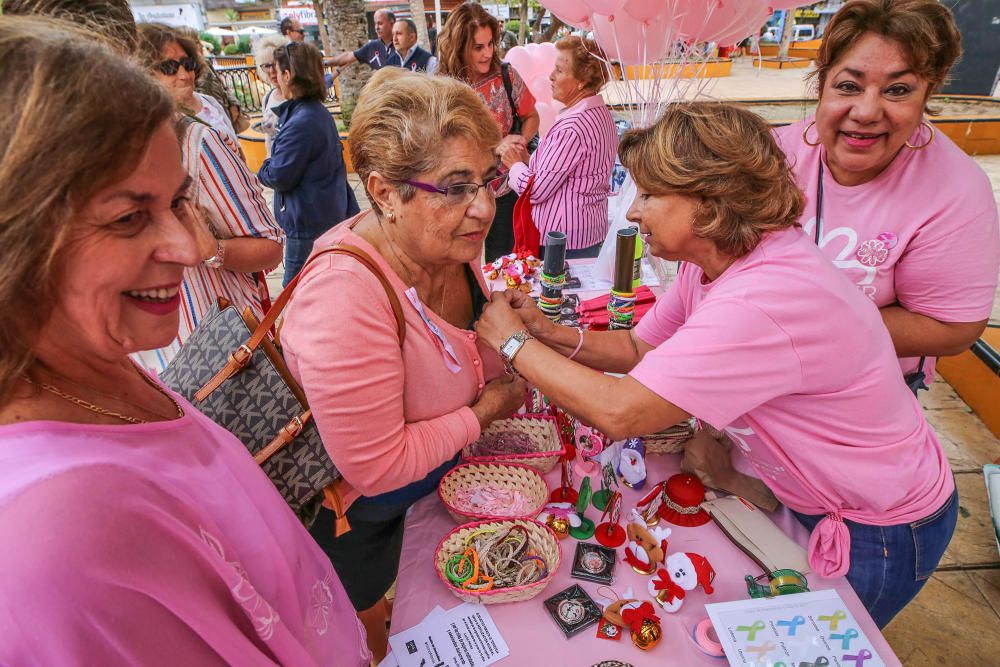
<point x="468" y="49"/>
<point x="901" y="211"/>
<point x="758" y="335"/>
<point x="136" y="531"/>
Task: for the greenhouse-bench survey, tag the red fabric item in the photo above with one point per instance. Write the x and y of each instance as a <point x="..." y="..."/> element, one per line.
<point x="594" y="312"/>
<point x="684" y="491"/>
<point x="635" y="617"/>
<point x="663" y="582"/>
<point x="526" y="237"/>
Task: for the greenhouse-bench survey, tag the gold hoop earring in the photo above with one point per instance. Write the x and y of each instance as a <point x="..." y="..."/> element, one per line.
<point x="926" y="143"/>
<point x="390" y="216"/>
<point x="806" y="139"/>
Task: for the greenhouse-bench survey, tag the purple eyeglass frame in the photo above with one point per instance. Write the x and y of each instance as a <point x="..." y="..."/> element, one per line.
<point x="427" y="187"/>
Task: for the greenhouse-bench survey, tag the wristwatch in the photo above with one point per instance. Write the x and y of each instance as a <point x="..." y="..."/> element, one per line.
<point x="511" y="347"/>
<point x="217" y="260"/>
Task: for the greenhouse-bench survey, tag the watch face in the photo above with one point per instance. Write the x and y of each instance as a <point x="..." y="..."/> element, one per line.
<point x="510" y="347"/>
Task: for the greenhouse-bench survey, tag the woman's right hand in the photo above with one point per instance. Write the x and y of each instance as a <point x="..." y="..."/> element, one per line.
<point x="537" y="324"/>
<point x="499" y="399"/>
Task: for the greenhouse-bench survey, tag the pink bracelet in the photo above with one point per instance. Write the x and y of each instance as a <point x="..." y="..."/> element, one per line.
<point x="578" y="345"/>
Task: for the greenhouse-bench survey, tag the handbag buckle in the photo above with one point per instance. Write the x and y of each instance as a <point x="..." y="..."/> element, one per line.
<point x="242" y="355"/>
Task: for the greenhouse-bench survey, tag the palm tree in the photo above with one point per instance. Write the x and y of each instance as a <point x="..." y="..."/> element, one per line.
<point x="348" y="31"/>
<point x="417" y="13"/>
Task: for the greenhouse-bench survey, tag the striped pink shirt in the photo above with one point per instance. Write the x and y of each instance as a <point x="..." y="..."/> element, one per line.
<point x="572" y="170"/>
<point x="231" y="194"/>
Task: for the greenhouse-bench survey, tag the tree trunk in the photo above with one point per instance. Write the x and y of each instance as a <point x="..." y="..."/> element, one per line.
<point x="553" y="29"/>
<point x="324" y="35"/>
<point x="522" y="31"/>
<point x="350" y="31"/>
<point x="786" y="34"/>
<point x="536" y="28"/>
<point x="417" y="11"/>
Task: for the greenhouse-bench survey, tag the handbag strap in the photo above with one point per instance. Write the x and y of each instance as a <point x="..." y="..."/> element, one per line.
<point x="241" y="356"/>
<point x="508" y="86"/>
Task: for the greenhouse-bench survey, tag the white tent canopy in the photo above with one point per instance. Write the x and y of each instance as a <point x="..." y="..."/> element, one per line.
<point x="221" y="32"/>
<point x="256" y="31"/>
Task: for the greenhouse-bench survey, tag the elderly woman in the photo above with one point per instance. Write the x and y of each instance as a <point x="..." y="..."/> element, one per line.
<point x="177" y="65"/>
<point x="263" y="52"/>
<point x="394" y="419"/>
<point x="162" y="540"/>
<point x="568" y="178"/>
<point x="758" y="335"/>
<point x="899" y="208"/>
<point x="468" y="50"/>
<point x="306" y="167"/>
<point x="237" y="235"/>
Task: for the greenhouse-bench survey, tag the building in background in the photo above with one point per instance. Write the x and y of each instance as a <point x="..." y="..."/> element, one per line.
<point x="177" y="14"/>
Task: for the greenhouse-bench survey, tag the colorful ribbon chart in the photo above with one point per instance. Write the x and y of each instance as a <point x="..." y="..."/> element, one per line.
<point x="845" y="638"/>
<point x="821" y="661"/>
<point x="859" y="659"/>
<point x="762" y="650"/>
<point x="834" y="619"/>
<point x="751" y="630"/>
<point x="793" y="624"/>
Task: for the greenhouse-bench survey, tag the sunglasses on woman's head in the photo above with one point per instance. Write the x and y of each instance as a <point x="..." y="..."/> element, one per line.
<point x="170" y="67"/>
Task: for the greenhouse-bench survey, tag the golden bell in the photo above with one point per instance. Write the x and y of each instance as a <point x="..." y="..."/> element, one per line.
<point x="559" y="526"/>
<point x="649" y="635"/>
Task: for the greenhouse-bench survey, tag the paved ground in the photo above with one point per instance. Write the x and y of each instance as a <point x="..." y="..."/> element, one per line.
<point x="956" y="618"/>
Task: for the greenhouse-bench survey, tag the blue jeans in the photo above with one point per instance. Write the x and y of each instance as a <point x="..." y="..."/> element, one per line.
<point x="890" y="564"/>
<point x="297" y="251"/>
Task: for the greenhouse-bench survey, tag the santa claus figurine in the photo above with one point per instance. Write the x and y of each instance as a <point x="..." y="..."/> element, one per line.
<point x="683" y="572"/>
<point x="646" y="546"/>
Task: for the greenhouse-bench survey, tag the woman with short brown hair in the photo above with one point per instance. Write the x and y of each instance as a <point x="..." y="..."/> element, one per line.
<point x="468" y="50"/>
<point x="568" y="179"/>
<point x="760" y="336"/>
<point x="901" y="210"/>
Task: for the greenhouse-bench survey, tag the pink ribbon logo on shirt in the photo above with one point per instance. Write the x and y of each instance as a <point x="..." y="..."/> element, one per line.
<point x="872" y="252"/>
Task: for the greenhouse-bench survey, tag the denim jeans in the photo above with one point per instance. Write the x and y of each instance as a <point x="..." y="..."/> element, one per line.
<point x="296" y="253"/>
<point x="890" y="564"/>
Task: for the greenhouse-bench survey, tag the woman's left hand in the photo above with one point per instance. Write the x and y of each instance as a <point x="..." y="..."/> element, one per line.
<point x="498" y="321"/>
<point x="514" y="153"/>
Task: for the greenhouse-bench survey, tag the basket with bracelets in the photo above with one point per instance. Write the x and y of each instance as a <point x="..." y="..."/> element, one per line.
<point x="527" y="439"/>
<point x="498" y="561"/>
<point x="669" y="440"/>
<point x="479" y="491"/>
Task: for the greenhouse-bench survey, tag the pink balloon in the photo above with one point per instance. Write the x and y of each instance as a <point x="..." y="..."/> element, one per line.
<point x="690" y="17"/>
<point x="749" y="27"/>
<point x="605" y="7"/>
<point x="546" y="117"/>
<point x="786" y="4"/>
<point x="572" y="12"/>
<point x="645" y="10"/>
<point x="541" y="88"/>
<point x="521" y="60"/>
<point x="630" y="41"/>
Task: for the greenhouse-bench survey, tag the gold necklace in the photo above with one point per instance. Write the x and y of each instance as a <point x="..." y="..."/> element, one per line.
<point x="87" y="405"/>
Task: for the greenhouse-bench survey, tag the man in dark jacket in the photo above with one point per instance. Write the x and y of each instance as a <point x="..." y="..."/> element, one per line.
<point x="408" y="54"/>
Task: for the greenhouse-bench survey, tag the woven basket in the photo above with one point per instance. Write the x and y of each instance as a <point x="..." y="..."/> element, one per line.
<point x="498" y="475"/>
<point x="542" y="538"/>
<point x="544" y="434"/>
<point x="669" y="440"/>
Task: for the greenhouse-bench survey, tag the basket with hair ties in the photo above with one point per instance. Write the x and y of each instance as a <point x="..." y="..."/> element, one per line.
<point x="490" y="562"/>
<point x="478" y="491"/>
<point x="528" y="439"/>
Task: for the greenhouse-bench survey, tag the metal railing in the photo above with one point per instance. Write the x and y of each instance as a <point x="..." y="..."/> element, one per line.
<point x="249" y="89"/>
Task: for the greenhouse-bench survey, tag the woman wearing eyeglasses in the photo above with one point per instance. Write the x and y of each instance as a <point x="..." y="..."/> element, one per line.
<point x="263" y="54"/>
<point x="306" y="166"/>
<point x="395" y="418"/>
<point x="238" y="238"/>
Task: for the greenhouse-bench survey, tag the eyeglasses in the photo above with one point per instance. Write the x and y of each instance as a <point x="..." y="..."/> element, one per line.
<point x="267" y="67"/>
<point x="300" y="31"/>
<point x="170" y="67"/>
<point x="462" y="194"/>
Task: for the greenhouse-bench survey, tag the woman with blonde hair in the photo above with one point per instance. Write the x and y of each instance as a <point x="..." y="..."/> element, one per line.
<point x="396" y="403"/>
<point x="263" y="55"/>
<point x="136" y="530"/>
<point x="901" y="210"/>
<point x="568" y="179"/>
<point x="468" y="50"/>
<point x="760" y="336"/>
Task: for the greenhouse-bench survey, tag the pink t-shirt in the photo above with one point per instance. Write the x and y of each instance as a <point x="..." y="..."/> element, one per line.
<point x="796" y="365"/>
<point x="158" y="544"/>
<point x="923" y="233"/>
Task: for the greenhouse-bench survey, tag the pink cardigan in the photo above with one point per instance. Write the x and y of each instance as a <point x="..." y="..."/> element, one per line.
<point x="387" y="417"/>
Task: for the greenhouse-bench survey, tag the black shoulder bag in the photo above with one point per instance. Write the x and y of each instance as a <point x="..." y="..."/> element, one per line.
<point x="515" y="127"/>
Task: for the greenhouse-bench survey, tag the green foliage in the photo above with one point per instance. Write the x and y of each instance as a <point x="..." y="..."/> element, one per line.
<point x="244" y="46"/>
<point x="213" y="40"/>
<point x="231" y="50"/>
<point x="514" y="25"/>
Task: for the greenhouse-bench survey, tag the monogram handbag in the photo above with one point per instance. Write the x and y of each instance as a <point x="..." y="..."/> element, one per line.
<point x="231" y="369"/>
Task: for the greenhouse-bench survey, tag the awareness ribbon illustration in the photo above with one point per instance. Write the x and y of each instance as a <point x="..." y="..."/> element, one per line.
<point x="834" y="619"/>
<point x="751" y="630"/>
<point x="819" y="662"/>
<point x="793" y="624"/>
<point x="859" y="659"/>
<point x="761" y="650"/>
<point x="845" y="638"/>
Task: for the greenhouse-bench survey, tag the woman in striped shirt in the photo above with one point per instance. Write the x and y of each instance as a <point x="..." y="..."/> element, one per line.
<point x="570" y="173"/>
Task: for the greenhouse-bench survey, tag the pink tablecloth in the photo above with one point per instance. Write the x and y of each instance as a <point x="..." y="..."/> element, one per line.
<point x="534" y="638"/>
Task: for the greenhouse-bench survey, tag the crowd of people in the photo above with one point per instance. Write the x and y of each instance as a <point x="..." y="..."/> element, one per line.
<point x="823" y="267"/>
